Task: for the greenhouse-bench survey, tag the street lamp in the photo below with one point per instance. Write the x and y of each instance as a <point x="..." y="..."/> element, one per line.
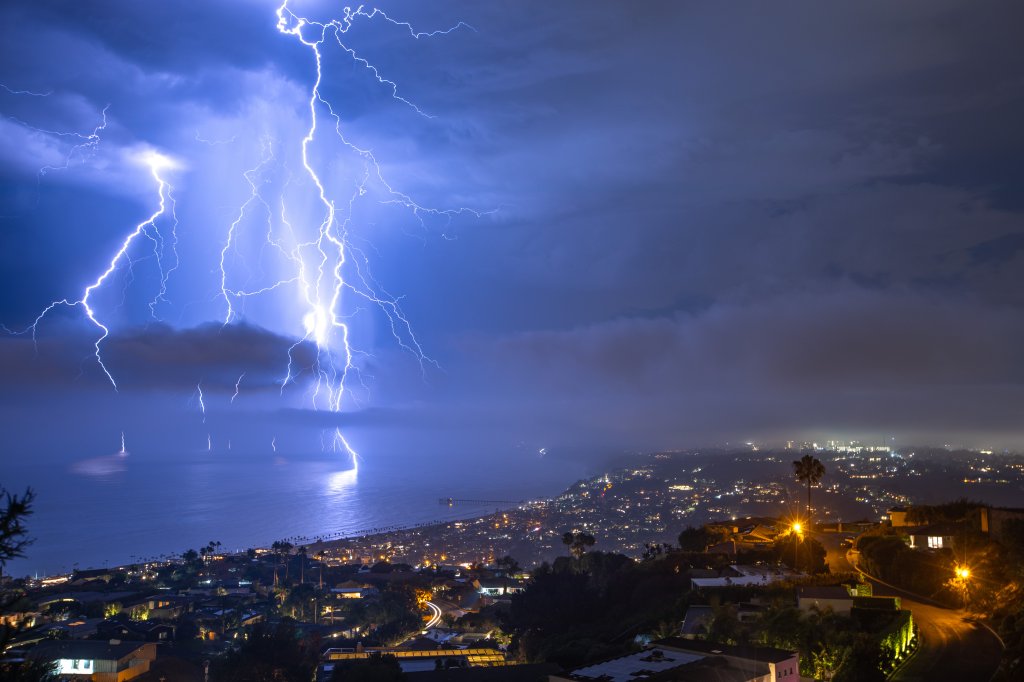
<point x="963" y="574"/>
<point x="797" y="529"/>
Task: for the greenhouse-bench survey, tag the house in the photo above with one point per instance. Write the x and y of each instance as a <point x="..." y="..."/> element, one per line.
<point x="351" y="589"/>
<point x="529" y="672"/>
<point x="97" y="661"/>
<point x="761" y="534"/>
<point x="413" y="660"/>
<point x="698" y="618"/>
<point x="136" y="631"/>
<point x="898" y="516"/>
<point x="835" y="597"/>
<point x="993" y="519"/>
<point x="782" y="665"/>
<point x="498" y="587"/>
<point x="744" y="575"/>
<point x="934" y="536"/>
<point x="688" y="660"/>
<point x="80" y="628"/>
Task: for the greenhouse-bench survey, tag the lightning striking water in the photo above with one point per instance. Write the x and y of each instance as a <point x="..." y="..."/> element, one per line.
<point x="317" y="256"/>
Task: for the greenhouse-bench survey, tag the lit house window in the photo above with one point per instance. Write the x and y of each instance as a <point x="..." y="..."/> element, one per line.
<point x="74" y="666"/>
<point x="934" y="542"/>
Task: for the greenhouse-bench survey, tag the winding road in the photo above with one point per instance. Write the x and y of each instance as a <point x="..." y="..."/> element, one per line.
<point x="952" y="645"/>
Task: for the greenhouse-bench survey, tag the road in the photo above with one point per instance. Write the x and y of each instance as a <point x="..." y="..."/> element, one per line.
<point x="435" y="618"/>
<point x="952" y="647"/>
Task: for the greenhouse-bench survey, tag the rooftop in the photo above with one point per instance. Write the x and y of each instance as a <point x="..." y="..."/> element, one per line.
<point x="765" y="654"/>
<point x="112" y="650"/>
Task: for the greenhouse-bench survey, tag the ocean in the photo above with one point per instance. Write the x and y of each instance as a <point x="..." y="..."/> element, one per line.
<point x="123" y="508"/>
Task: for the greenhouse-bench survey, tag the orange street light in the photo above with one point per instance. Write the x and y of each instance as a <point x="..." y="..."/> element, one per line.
<point x="797" y="527"/>
<point x="963" y="572"/>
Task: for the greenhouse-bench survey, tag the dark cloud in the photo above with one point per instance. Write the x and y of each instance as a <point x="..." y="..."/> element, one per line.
<point x="156" y="357"/>
<point x="800" y="215"/>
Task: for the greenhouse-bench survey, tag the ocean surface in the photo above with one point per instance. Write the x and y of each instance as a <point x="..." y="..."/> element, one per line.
<point x="120" y="508"/>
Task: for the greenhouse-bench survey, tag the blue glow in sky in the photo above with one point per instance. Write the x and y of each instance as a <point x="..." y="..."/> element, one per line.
<point x="575" y="225"/>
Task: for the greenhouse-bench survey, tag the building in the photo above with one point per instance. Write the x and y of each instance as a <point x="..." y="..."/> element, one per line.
<point x="934" y="536"/>
<point x="684" y="660"/>
<point x="994" y="518"/>
<point x="111" y="661"/>
<point x="782" y="665"/>
<point x="698" y="618"/>
<point x="744" y="575"/>
<point x="414" y="660"/>
<point x="835" y="597"/>
<point x="498" y="587"/>
<point x="898" y="516"/>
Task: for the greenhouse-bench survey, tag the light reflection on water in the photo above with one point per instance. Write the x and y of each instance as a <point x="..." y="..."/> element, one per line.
<point x="109" y="509"/>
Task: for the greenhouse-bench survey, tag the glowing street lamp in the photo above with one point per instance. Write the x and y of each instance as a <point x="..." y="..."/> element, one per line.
<point x="963" y="574"/>
<point x="796" y="529"/>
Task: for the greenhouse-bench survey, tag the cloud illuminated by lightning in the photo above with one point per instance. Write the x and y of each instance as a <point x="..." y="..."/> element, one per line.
<point x="328" y="265"/>
<point x="321" y="264"/>
<point x="158" y="164"/>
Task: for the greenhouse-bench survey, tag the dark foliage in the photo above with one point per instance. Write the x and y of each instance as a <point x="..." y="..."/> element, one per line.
<point x="269" y="654"/>
<point x="579" y="611"/>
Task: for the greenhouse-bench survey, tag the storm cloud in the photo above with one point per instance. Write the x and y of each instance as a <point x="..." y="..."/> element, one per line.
<point x="696" y="222"/>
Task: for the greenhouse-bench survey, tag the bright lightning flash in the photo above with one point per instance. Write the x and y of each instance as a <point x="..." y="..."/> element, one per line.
<point x="157" y="164"/>
<point x="325" y="264"/>
<point x="322" y="261"/>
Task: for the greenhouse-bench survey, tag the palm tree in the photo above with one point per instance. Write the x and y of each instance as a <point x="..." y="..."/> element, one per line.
<point x="809" y="470"/>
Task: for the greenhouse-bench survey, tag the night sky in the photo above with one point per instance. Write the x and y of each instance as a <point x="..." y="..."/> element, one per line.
<point x="687" y="223"/>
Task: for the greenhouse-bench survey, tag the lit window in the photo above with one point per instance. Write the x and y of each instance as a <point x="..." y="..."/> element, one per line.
<point x="934" y="542"/>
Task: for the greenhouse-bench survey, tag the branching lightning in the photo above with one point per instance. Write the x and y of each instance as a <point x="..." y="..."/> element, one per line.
<point x="148" y="228"/>
<point x="321" y="264"/>
<point x="332" y="271"/>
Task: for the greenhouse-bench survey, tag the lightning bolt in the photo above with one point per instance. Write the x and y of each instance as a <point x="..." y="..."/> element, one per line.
<point x="321" y="263"/>
<point x="329" y="264"/>
<point x="148" y="228"/>
<point x="28" y="93"/>
<point x="238" y="385"/>
<point x="202" y="404"/>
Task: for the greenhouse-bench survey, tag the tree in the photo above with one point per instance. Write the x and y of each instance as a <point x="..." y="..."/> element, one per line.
<point x="578" y="543"/>
<point x="809" y="470"/>
<point x="803" y="554"/>
<point x="13" y="540"/>
<point x="694" y="539"/>
<point x="269" y="654"/>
